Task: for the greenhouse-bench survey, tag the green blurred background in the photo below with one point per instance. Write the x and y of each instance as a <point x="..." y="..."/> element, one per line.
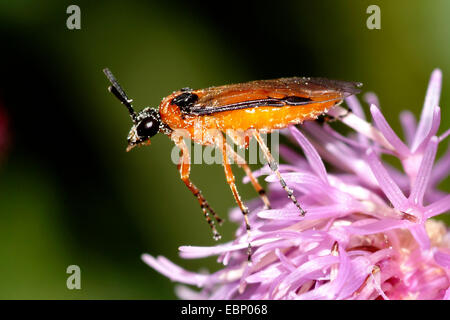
<point x="70" y="194"/>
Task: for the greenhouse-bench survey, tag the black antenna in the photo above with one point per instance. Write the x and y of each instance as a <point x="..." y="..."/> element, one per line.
<point x="117" y="90"/>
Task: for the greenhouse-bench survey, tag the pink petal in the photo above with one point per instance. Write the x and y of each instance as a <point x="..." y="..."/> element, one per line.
<point x="301" y="178"/>
<point x="280" y="214"/>
<point x="309" y="269"/>
<point x="389" y="187"/>
<point x="360" y="268"/>
<point x="362" y="127"/>
<point x="431" y="101"/>
<point x="288" y="264"/>
<point x="376" y="281"/>
<point x="438" y="207"/>
<point x="321" y="212"/>
<point x="174" y="272"/>
<point x="291" y="156"/>
<point x="265" y="274"/>
<point x="311" y="154"/>
<point x="441" y="168"/>
<point x="447" y="294"/>
<point x="186" y="293"/>
<point x="442" y="259"/>
<point x="423" y="176"/>
<point x="409" y="125"/>
<point x="387" y="131"/>
<point x="275" y="284"/>
<point x="343" y="273"/>
<point x="280" y="234"/>
<point x="193" y="252"/>
<point x="379" y="226"/>
<point x="444" y="136"/>
<point x="225" y="292"/>
<point x="320" y="293"/>
<point x="433" y="130"/>
<point x="420" y="234"/>
<point x="350" y="141"/>
<point x="371" y="98"/>
<point x="355" y="106"/>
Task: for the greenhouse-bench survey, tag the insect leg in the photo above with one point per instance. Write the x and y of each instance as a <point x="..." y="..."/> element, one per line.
<point x="329" y="118"/>
<point x="325" y="118"/>
<point x="231" y="182"/>
<point x="274" y="167"/>
<point x="184" y="167"/>
<point x="243" y="164"/>
<point x="197" y="193"/>
<point x="341" y="116"/>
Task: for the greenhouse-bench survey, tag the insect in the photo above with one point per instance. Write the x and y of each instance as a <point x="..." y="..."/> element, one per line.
<point x="246" y="110"/>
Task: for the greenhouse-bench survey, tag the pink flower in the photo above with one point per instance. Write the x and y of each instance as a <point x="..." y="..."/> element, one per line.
<point x="368" y="232"/>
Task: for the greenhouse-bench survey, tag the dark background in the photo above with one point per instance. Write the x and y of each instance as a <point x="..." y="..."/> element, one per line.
<point x="70" y="194"/>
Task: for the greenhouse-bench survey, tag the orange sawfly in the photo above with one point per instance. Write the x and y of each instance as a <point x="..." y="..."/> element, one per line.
<point x="249" y="109"/>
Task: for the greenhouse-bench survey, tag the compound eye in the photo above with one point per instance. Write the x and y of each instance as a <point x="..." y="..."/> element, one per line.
<point x="147" y="128"/>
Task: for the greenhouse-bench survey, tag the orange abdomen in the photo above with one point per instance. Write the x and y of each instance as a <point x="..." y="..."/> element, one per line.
<point x="260" y="118"/>
<point x="265" y="118"/>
